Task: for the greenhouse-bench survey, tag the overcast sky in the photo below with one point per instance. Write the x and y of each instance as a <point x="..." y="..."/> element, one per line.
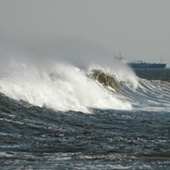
<point x="140" y="29"/>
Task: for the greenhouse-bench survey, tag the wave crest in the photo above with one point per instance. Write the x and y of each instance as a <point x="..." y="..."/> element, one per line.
<point x="107" y="80"/>
<point x="62" y="87"/>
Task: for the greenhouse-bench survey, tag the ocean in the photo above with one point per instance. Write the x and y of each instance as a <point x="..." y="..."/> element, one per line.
<point x="67" y="117"/>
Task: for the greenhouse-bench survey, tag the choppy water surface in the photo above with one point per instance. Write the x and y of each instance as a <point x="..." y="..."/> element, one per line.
<point x="38" y="138"/>
<point x="71" y="118"/>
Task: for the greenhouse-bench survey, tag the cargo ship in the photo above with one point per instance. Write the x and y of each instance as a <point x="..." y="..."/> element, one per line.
<point x="146" y="65"/>
<point x="139" y="64"/>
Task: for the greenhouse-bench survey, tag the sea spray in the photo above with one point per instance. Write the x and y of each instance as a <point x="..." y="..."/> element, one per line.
<point x="119" y="70"/>
<point x="62" y="87"/>
<point x="58" y="78"/>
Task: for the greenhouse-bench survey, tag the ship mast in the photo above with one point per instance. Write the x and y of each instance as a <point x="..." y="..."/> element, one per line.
<point x="161" y="59"/>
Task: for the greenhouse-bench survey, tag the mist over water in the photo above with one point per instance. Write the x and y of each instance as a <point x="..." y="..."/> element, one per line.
<point x="74" y="51"/>
<point x="47" y="91"/>
<point x="55" y="75"/>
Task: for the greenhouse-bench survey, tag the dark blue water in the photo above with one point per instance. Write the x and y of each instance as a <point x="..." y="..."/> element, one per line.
<point x="39" y="138"/>
<point x="133" y="134"/>
<point x="154" y="74"/>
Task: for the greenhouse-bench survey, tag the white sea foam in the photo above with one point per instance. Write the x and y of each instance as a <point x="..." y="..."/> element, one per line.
<point x="121" y="71"/>
<point x="47" y="82"/>
<point x="62" y="87"/>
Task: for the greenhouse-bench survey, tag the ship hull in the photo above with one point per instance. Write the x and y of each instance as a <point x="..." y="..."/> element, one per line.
<point x="147" y="66"/>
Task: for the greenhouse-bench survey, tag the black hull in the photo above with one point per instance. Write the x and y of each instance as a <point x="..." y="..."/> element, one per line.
<point x="147" y="66"/>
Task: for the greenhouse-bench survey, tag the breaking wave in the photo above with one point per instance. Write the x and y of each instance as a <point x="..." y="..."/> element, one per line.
<point x="65" y="87"/>
<point x="106" y="80"/>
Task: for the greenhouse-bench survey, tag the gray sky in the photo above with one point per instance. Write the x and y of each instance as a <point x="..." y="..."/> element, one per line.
<point x="140" y="29"/>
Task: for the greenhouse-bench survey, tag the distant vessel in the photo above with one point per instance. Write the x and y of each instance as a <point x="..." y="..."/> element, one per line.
<point x="146" y="65"/>
<point x="139" y="64"/>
